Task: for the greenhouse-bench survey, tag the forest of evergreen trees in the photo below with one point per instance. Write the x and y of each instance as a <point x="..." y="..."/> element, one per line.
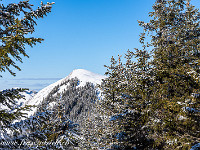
<point x="150" y="98"/>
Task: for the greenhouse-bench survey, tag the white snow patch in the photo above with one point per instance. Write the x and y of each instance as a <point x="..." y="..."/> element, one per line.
<point x="86" y="76"/>
<point x="51" y="104"/>
<point x="182" y="118"/>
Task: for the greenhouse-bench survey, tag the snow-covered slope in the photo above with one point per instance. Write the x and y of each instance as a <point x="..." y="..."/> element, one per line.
<point x="84" y="76"/>
<point x="27" y="95"/>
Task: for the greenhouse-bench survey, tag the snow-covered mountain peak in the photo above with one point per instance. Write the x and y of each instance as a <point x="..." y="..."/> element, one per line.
<point x="86" y="76"/>
<point x="83" y="76"/>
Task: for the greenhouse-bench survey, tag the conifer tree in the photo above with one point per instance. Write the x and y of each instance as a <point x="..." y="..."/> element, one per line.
<point x="165" y="91"/>
<point x="126" y="109"/>
<point x="175" y="41"/>
<point x="14" y="31"/>
<point x="13" y="39"/>
<point x="10" y="110"/>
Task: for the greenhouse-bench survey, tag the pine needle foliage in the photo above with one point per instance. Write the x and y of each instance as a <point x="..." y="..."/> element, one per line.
<point x="9" y="109"/>
<point x="175" y="32"/>
<point x="127" y="93"/>
<point x="161" y="89"/>
<point x="17" y="21"/>
<point x="14" y="31"/>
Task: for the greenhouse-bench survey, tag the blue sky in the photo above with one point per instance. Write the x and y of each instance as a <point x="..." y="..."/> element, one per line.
<point x="79" y="34"/>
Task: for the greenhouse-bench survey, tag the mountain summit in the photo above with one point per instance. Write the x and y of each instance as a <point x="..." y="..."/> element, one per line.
<point x="86" y="76"/>
<point x="83" y="77"/>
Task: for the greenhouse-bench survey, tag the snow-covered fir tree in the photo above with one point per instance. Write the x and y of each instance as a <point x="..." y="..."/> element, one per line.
<point x="13" y="39"/>
<point x="175" y="113"/>
<point x="126" y="94"/>
<point x="163" y="90"/>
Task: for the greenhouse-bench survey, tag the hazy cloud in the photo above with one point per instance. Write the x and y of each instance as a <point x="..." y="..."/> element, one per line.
<point x="31" y="83"/>
<point x="37" y="79"/>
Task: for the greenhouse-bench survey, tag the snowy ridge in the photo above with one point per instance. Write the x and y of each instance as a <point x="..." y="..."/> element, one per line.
<point x="86" y="76"/>
<point x="83" y="75"/>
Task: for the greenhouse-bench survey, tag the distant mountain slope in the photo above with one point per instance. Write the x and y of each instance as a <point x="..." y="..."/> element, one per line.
<point x="83" y="77"/>
<point x="26" y="96"/>
<point x="61" y="109"/>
